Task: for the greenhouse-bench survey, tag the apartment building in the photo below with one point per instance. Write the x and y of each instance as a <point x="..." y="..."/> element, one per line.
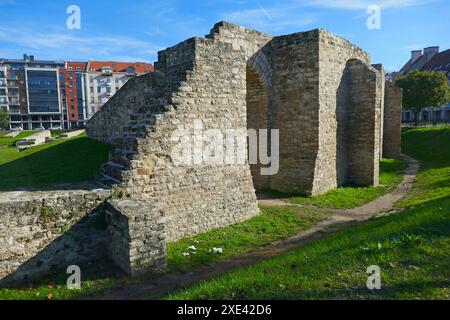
<point x="105" y="78"/>
<point x="3" y="90"/>
<point x="57" y="94"/>
<point x="32" y="92"/>
<point x="73" y="94"/>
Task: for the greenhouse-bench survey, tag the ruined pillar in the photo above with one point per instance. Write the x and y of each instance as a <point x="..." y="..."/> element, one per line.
<point x="380" y="69"/>
<point x="364" y="123"/>
<point x="135" y="236"/>
<point x="392" y="121"/>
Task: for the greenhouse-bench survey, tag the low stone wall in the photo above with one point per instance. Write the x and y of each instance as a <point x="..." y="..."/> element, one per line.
<point x="136" y="236"/>
<point x="44" y="231"/>
<point x="12" y="134"/>
<point x="35" y="139"/>
<point x="71" y="134"/>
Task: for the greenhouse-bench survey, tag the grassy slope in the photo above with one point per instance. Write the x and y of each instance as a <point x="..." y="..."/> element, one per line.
<point x="273" y="224"/>
<point x="432" y="147"/>
<point x="412" y="248"/>
<point x="74" y="160"/>
<point x="11" y="142"/>
<point x="413" y="265"/>
<point x="352" y="197"/>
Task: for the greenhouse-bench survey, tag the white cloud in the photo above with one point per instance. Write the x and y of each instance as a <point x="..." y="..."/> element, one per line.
<point x="63" y="43"/>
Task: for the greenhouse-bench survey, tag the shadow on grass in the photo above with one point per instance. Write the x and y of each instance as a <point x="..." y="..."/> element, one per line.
<point x="72" y="161"/>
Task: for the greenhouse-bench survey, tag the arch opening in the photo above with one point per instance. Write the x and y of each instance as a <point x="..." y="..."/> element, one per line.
<point x="257" y="119"/>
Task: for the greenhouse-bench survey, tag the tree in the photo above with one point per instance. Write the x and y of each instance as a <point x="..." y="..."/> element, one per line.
<point x="4" y="120"/>
<point x="423" y="89"/>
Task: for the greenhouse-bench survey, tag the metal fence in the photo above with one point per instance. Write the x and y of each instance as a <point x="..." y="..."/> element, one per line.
<point x="425" y="124"/>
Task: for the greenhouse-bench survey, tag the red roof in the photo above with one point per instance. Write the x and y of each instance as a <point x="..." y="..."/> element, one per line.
<point x="74" y="65"/>
<point x="139" y="67"/>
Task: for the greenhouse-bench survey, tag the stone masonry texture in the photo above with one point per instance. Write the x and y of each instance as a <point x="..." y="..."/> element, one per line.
<point x="392" y="121"/>
<point x="41" y="232"/>
<point x="317" y="89"/>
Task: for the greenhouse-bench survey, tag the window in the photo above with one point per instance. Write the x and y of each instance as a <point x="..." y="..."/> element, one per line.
<point x="99" y="90"/>
<point x="72" y="108"/>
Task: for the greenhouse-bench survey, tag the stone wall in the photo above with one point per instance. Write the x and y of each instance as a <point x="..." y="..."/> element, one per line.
<point x="317" y="89"/>
<point x="41" y="232"/>
<point x="136" y="236"/>
<point x="363" y="124"/>
<point x="392" y="121"/>
<point x="335" y="91"/>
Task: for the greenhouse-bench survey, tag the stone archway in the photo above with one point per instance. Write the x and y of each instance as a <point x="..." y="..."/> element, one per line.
<point x="257" y="118"/>
<point x="259" y="108"/>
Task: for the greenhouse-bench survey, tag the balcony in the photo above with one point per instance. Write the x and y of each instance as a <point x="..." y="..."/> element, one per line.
<point x="13" y="86"/>
<point x="14" y="111"/>
<point x="14" y="102"/>
<point x="107" y="72"/>
<point x="13" y="95"/>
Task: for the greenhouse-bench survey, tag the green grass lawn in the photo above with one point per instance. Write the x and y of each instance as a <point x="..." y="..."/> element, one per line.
<point x="351" y="197"/>
<point x="432" y="147"/>
<point x="412" y="249"/>
<point x="273" y="224"/>
<point x="11" y="142"/>
<point x="66" y="161"/>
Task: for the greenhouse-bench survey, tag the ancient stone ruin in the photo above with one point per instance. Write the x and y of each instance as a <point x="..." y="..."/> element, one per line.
<point x="333" y="110"/>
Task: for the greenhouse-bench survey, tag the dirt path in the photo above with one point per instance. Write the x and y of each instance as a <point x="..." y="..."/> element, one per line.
<point x="341" y="219"/>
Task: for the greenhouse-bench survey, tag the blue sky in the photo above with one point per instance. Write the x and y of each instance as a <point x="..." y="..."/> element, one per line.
<point x="136" y="30"/>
